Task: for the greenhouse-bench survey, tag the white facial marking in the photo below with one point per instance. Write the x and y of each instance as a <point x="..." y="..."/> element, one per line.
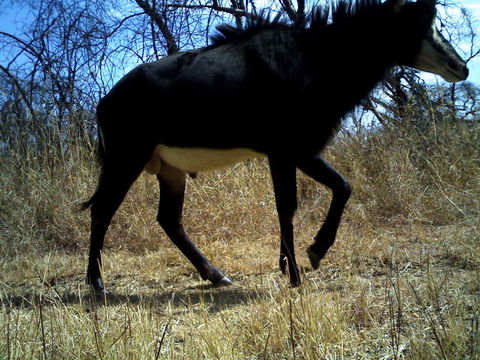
<point x="438" y="56"/>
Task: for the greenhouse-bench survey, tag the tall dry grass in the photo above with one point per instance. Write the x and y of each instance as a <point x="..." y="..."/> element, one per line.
<point x="401" y="282"/>
<point x="407" y="174"/>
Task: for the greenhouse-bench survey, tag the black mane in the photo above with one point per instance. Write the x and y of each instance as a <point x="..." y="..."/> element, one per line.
<point x="255" y="24"/>
<point x="318" y="17"/>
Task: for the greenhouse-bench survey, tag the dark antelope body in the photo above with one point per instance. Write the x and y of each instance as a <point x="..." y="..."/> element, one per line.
<point x="273" y="90"/>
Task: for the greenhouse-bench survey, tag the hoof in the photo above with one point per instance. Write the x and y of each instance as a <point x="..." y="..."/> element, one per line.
<point x="314" y="258"/>
<point x="97" y="285"/>
<point x="225" y="281"/>
<point x="295" y="280"/>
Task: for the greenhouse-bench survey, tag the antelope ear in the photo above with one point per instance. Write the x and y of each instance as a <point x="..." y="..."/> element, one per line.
<point x="395" y="5"/>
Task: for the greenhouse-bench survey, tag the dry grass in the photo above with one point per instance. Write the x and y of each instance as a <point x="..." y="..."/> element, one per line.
<point x="401" y="282"/>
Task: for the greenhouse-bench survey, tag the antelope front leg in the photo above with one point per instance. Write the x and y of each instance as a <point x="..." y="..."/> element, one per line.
<point x="320" y="170"/>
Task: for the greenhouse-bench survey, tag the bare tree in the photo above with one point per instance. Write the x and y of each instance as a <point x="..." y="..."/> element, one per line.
<point x="54" y="65"/>
<point x="70" y="53"/>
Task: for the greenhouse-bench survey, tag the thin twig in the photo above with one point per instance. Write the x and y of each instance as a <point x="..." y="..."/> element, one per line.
<point x="266" y="344"/>
<point x="44" y="343"/>
<point x="431" y="322"/>
<point x="157" y="354"/>
<point x="292" y="339"/>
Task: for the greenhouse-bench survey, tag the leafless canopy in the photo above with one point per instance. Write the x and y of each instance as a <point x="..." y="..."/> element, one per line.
<point x="66" y="54"/>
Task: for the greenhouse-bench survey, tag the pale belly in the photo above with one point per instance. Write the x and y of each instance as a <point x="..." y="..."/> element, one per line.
<point x="197" y="159"/>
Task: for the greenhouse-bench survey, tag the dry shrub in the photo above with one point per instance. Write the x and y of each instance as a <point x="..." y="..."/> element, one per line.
<point x="400" y="282"/>
<point x="404" y="174"/>
<point x="398" y="175"/>
<point x="39" y="197"/>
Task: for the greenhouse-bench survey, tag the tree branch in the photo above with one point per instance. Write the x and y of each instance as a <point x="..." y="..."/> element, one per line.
<point x="20" y="89"/>
<point x="172" y="46"/>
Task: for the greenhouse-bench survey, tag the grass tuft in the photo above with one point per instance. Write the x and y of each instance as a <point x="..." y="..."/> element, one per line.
<point x="401" y="282"/>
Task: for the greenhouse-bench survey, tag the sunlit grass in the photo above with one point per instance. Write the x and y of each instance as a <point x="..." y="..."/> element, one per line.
<point x="401" y="282"/>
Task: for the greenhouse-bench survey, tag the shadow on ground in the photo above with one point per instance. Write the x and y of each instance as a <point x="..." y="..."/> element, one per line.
<point x="214" y="299"/>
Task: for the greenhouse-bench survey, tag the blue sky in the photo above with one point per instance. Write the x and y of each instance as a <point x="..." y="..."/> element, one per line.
<point x="11" y="16"/>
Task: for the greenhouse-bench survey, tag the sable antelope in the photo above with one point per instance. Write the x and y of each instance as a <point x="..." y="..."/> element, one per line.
<point x="272" y="90"/>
